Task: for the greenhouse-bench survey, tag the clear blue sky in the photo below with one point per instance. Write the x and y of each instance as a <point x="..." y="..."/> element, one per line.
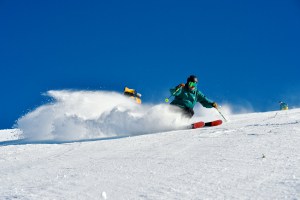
<point x="242" y="51"/>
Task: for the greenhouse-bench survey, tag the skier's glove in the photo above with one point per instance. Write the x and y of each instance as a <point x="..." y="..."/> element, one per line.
<point x="215" y="105"/>
<point x="180" y="85"/>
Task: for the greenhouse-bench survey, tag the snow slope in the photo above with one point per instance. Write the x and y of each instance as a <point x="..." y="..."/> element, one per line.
<point x="254" y="156"/>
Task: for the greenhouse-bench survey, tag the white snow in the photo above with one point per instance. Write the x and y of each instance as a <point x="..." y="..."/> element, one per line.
<point x="253" y="156"/>
<point x="76" y="115"/>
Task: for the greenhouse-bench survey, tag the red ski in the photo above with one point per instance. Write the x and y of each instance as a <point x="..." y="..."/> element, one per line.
<point x="206" y="124"/>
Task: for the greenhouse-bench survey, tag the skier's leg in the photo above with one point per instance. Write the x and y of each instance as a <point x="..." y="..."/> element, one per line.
<point x="188" y="112"/>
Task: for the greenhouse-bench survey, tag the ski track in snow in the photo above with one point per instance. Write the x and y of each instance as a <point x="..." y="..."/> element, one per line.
<point x="253" y="156"/>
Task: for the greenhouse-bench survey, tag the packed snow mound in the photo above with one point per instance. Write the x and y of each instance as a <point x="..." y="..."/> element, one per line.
<point x="76" y="115"/>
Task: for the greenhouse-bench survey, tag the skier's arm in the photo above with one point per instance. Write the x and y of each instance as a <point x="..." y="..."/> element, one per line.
<point x="207" y="103"/>
<point x="177" y="90"/>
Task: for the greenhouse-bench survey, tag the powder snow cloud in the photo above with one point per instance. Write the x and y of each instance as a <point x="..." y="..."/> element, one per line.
<point x="76" y="115"/>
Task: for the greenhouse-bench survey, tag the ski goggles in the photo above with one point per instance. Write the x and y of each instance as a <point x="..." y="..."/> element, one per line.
<point x="192" y="84"/>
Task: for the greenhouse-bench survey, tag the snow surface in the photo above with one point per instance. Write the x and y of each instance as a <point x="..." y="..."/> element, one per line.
<point x="65" y="150"/>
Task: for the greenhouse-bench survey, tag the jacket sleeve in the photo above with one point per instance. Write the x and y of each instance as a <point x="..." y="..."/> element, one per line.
<point x="174" y="92"/>
<point x="207" y="103"/>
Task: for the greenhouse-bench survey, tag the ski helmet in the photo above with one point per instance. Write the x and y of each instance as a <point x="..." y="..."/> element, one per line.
<point x="192" y="78"/>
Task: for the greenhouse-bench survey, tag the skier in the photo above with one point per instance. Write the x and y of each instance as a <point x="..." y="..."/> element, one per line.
<point x="187" y="95"/>
<point x="133" y="94"/>
<point x="283" y="106"/>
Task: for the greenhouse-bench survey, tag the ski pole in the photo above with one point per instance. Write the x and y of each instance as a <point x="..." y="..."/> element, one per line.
<point x="221" y="114"/>
<point x="167" y="99"/>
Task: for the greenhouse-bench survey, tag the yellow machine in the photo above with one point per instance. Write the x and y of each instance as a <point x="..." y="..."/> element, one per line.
<point x="133" y="94"/>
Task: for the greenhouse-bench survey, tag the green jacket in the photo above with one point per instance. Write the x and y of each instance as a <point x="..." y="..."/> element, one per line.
<point x="283" y="106"/>
<point x="186" y="98"/>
